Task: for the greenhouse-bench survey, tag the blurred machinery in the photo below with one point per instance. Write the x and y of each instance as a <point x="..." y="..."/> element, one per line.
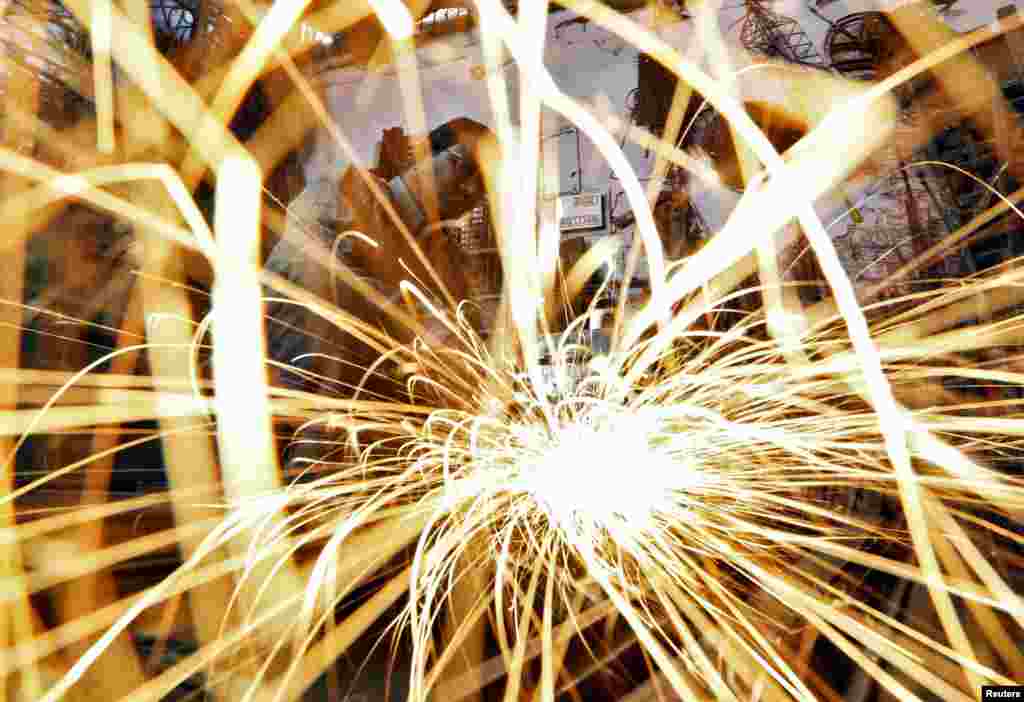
<point x="652" y="98"/>
<point x="984" y="172"/>
<point x="394" y="154"/>
<point x="481" y="263"/>
<point x="904" y="208"/>
<point x="45" y="39"/>
<point x="176" y="20"/>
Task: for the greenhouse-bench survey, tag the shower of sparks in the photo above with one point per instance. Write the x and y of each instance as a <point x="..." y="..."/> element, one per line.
<point x="727" y="491"/>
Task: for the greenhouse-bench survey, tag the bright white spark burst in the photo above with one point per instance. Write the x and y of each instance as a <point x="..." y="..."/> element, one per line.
<point x="605" y="471"/>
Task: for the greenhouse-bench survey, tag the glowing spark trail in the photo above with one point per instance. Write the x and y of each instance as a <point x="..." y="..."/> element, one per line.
<point x="741" y="488"/>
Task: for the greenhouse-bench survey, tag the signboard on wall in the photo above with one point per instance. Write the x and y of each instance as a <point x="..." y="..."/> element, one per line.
<point x="580" y="212"/>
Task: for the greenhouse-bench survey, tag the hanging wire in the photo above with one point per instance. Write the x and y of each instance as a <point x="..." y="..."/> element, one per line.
<point x="766" y="32"/>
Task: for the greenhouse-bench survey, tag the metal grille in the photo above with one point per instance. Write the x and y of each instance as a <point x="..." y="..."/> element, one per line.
<point x="902" y="216"/>
<point x="175" y="19"/>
